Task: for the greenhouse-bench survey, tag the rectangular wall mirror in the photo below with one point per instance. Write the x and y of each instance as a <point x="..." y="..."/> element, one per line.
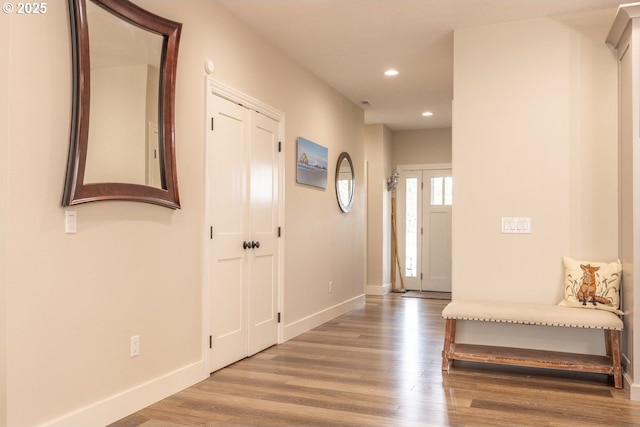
<point x="122" y="142"/>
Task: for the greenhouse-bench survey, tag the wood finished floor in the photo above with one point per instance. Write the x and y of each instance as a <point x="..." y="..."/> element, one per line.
<point x="380" y="366"/>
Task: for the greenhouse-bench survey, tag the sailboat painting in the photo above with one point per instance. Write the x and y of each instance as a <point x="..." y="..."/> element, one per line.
<point x="312" y="163"/>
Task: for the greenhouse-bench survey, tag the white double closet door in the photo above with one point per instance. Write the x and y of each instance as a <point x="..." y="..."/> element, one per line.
<point x="242" y="210"/>
<point x="425" y="202"/>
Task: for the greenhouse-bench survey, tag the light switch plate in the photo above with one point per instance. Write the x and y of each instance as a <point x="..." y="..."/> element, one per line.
<point x="135" y="346"/>
<point x="70" y="218"/>
<point x="516" y="225"/>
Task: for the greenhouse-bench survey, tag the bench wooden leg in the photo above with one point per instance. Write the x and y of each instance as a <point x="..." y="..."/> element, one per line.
<point x="449" y="340"/>
<point x="612" y="341"/>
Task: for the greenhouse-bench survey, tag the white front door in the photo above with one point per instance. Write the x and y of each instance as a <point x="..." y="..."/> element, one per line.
<point x="436" y="223"/>
<point x="242" y="206"/>
<point x="425" y="199"/>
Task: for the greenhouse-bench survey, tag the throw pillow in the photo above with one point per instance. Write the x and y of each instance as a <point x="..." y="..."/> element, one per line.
<point x="589" y="284"/>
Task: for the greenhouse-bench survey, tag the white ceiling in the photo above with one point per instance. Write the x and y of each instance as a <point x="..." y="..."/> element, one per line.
<point x="350" y="43"/>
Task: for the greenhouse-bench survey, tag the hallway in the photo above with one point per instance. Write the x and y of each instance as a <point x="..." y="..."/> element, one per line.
<point x="380" y="366"/>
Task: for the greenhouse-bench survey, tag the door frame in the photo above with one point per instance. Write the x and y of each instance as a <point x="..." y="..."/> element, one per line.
<point x="219" y="89"/>
<point x="400" y="209"/>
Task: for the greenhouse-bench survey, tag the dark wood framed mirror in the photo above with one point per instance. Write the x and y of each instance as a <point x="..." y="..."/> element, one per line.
<point x="122" y="144"/>
<point x="345" y="182"/>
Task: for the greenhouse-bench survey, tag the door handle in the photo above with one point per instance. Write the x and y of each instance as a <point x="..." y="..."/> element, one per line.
<point x="246" y="245"/>
<point x="255" y="245"/>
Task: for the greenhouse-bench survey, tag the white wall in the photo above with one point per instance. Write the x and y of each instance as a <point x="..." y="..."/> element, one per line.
<point x="534" y="135"/>
<point x="378" y="156"/>
<point x="4" y="188"/>
<point x="73" y="301"/>
<point x="423" y="146"/>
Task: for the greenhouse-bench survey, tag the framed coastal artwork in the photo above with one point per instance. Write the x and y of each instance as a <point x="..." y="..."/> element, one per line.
<point x="312" y="163"/>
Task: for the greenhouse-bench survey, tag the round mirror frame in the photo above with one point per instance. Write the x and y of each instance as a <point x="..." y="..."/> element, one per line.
<point x="345" y="205"/>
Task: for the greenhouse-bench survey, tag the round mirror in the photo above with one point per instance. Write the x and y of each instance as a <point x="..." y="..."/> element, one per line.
<point x="345" y="182"/>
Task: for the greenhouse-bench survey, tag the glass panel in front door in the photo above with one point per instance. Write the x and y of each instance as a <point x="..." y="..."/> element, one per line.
<point x="411" y="228"/>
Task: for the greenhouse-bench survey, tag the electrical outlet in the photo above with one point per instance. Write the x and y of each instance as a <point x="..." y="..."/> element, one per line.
<point x="135" y="345"/>
<point x="330" y="286"/>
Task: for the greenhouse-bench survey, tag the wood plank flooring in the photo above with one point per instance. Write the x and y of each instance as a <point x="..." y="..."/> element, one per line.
<point x="381" y="366"/>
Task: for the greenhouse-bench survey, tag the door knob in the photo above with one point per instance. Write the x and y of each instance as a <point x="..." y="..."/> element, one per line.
<point x="255" y="244"/>
<point x="246" y="245"/>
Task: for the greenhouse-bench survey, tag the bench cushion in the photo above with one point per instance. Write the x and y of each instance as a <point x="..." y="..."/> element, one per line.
<point x="532" y="314"/>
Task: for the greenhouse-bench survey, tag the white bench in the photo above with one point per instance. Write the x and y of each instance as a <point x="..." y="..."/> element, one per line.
<point x="534" y="314"/>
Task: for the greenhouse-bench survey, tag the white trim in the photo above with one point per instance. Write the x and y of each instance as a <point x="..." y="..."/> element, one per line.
<point x="305" y="324"/>
<point x="377" y="289"/>
<point x="634" y="389"/>
<point x="120" y="405"/>
<point x="625" y="13"/>
<point x="427" y="166"/>
<point x="365" y="203"/>
<point x="206" y="252"/>
<point x="238" y="97"/>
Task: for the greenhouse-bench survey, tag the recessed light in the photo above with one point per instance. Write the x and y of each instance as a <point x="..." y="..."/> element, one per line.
<point x="391" y="72"/>
<point x="427" y="114"/>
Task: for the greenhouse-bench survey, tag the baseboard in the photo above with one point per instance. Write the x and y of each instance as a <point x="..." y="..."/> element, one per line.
<point x="378" y="290"/>
<point x="129" y="401"/>
<point x="306" y="324"/>
<point x="634" y="389"/>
